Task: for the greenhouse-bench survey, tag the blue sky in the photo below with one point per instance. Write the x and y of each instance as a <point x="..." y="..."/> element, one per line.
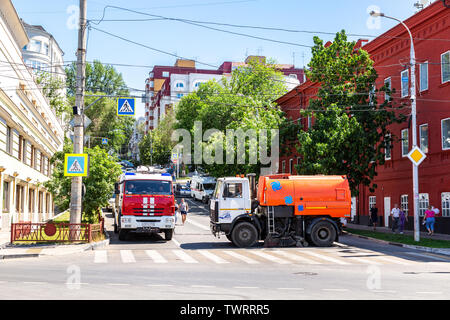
<point x="202" y="44"/>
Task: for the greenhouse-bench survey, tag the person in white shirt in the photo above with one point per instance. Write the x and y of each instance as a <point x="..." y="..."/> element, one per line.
<point x="395" y="215"/>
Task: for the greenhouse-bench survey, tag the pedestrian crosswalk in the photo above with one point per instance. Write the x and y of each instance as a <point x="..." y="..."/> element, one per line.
<point x="255" y="256"/>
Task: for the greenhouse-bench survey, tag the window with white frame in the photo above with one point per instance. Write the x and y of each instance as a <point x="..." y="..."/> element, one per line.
<point x="445" y="67"/>
<point x="405" y="82"/>
<point x="405" y="142"/>
<point x="309" y="122"/>
<point x="387" y="84"/>
<point x="423" y="76"/>
<point x="179" y="85"/>
<point x="291" y="166"/>
<point x="445" y="123"/>
<point x="424" y="202"/>
<point x="387" y="150"/>
<point x="445" y="197"/>
<point x="165" y="74"/>
<point x="423" y="137"/>
<point x="372" y="202"/>
<point x="404" y="203"/>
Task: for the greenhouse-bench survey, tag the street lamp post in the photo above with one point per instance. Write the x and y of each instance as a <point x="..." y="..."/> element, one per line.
<point x="413" y="123"/>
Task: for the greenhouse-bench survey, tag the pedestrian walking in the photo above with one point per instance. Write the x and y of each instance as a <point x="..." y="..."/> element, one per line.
<point x="430" y="220"/>
<point x="403" y="218"/>
<point x="374" y="217"/>
<point x="184" y="208"/>
<point x="395" y="215"/>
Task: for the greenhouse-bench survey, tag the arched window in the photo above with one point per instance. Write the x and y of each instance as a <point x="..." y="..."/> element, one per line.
<point x="179" y="85"/>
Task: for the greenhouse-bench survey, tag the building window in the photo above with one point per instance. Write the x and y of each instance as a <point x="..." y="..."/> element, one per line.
<point x="423" y="137"/>
<point x="405" y="82"/>
<point x="388" y="153"/>
<point x="309" y="122"/>
<point x="34" y="46"/>
<point x="197" y="84"/>
<point x="446" y="134"/>
<point x="291" y="166"/>
<point x="283" y="166"/>
<point x="372" y="202"/>
<point x="46" y="49"/>
<point x="293" y="76"/>
<point x="387" y="84"/>
<point x="8" y="140"/>
<point x="165" y="74"/>
<point x="424" y="202"/>
<point x="445" y="66"/>
<point x="179" y="95"/>
<point x="405" y="142"/>
<point x="423" y="76"/>
<point x="445" y="196"/>
<point x="404" y="203"/>
<point x="5" y="196"/>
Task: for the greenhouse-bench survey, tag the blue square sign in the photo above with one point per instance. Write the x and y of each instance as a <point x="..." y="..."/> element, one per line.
<point x="76" y="165"/>
<point x="126" y="107"/>
<point x="104" y="140"/>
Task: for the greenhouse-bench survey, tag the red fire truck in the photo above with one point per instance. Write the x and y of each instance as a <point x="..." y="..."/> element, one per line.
<point x="145" y="203"/>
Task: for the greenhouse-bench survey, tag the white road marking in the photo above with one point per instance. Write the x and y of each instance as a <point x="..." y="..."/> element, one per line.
<point x="197" y="224"/>
<point x="337" y="290"/>
<point x="246" y="287"/>
<point x="201" y="286"/>
<point x="118" y="284"/>
<point x="365" y="261"/>
<point x="241" y="257"/>
<point x="270" y="257"/>
<point x="184" y="256"/>
<point x="393" y="260"/>
<point x="160" y="285"/>
<point x="34" y="282"/>
<point x="176" y="242"/>
<point x="212" y="256"/>
<point x="156" y="256"/>
<point x="127" y="256"/>
<point x="295" y="257"/>
<point x="101" y="256"/>
<point x="290" y="289"/>
<point x="323" y="257"/>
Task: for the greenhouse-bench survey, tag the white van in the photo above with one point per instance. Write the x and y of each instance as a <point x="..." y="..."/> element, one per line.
<point x="202" y="187"/>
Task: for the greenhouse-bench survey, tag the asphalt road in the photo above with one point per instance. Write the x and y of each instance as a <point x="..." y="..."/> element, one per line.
<point x="196" y="266"/>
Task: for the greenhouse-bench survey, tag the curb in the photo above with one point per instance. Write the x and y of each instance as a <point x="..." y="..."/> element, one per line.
<point x="409" y="246"/>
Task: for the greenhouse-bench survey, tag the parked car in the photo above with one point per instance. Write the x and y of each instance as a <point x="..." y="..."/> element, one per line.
<point x="185" y="191"/>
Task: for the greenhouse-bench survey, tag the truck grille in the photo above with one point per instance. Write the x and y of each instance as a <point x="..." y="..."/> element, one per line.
<point x="148" y="210"/>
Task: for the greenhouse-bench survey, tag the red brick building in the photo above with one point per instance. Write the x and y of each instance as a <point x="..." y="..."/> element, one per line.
<point x="391" y="54"/>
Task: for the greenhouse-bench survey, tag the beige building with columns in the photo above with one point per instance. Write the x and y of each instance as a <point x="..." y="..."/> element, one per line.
<point x="30" y="131"/>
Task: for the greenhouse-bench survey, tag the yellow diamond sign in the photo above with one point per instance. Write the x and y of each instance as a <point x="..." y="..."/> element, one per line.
<point x="416" y="155"/>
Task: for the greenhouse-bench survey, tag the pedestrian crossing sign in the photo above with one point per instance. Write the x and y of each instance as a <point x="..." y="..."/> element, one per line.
<point x="76" y="165"/>
<point x="126" y="107"/>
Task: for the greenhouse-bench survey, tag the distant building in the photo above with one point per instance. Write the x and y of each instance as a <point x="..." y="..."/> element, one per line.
<point x="166" y="85"/>
<point x="136" y="137"/>
<point x="30" y="132"/>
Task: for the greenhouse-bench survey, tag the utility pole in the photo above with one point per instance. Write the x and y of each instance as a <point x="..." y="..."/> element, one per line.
<point x="78" y="141"/>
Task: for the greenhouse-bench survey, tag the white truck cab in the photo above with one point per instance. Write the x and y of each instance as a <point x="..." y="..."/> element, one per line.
<point x="202" y="188"/>
<point x="230" y="201"/>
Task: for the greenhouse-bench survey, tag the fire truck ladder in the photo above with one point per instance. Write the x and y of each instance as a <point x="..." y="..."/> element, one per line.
<point x="271" y="220"/>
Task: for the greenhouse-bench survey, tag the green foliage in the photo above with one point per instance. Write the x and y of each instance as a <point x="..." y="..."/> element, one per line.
<point x="51" y="87"/>
<point x="103" y="173"/>
<point x="244" y="101"/>
<point x="350" y="127"/>
<point x="158" y="141"/>
<point x="99" y="78"/>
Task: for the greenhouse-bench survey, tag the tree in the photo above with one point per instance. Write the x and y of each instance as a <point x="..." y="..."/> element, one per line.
<point x="103" y="173"/>
<point x="51" y="87"/>
<point x="242" y="102"/>
<point x="350" y="131"/>
<point x="99" y="78"/>
<point x="156" y="146"/>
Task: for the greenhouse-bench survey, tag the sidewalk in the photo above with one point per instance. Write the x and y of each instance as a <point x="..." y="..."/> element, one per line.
<point x="8" y="251"/>
<point x="423" y="235"/>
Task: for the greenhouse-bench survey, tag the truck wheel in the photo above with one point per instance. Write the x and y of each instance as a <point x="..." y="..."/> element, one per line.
<point x="123" y="234"/>
<point x="244" y="235"/>
<point x="168" y="234"/>
<point x="323" y="234"/>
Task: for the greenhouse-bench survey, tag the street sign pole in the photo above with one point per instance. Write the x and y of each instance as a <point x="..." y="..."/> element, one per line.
<point x="76" y="187"/>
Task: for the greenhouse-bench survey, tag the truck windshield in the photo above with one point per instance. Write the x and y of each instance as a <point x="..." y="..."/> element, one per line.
<point x="209" y="186"/>
<point x="148" y="187"/>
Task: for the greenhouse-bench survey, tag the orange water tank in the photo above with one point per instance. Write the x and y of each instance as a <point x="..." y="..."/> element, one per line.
<point x="309" y="195"/>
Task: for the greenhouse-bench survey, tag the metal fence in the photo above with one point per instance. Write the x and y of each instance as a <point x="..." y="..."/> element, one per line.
<point x="56" y="232"/>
